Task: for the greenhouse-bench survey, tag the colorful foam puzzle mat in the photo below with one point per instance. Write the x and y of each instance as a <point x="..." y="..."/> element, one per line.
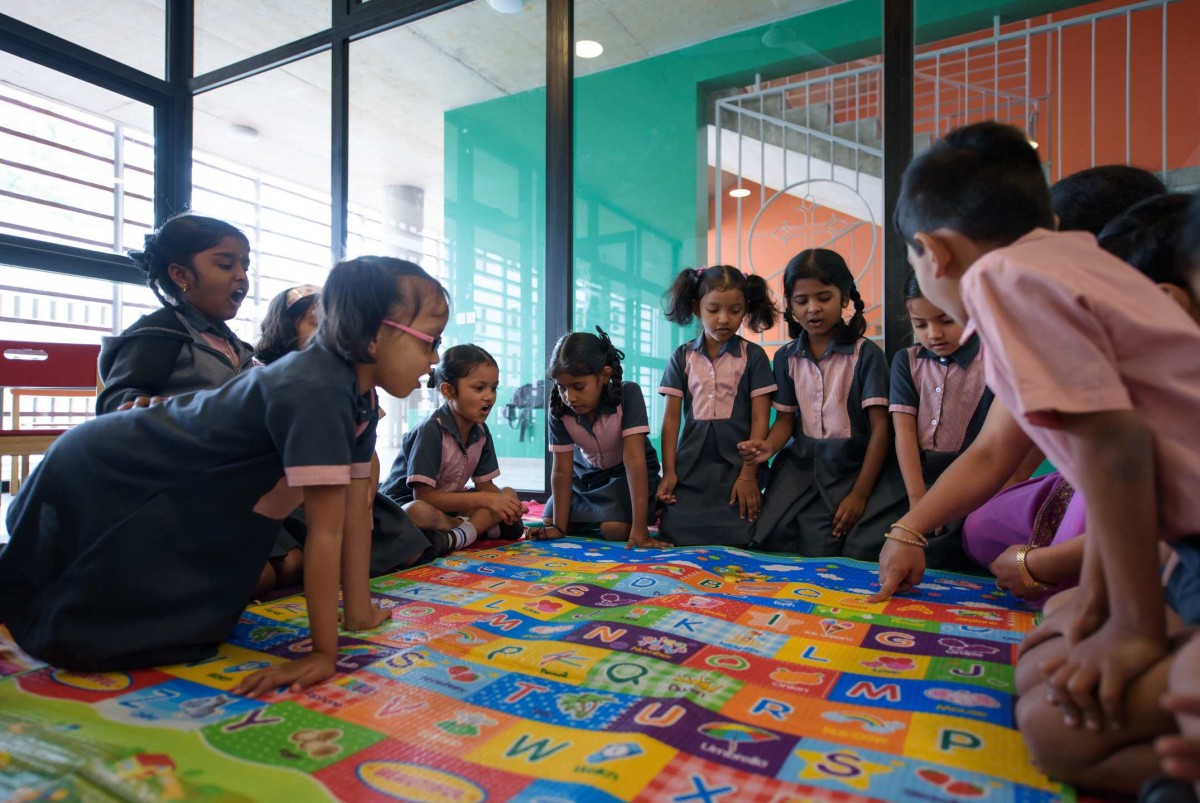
<point x="569" y="670"/>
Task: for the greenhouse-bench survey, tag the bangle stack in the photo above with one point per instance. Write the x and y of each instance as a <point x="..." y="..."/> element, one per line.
<point x="546" y="525"/>
<point x="920" y="541"/>
<point x="1022" y="567"/>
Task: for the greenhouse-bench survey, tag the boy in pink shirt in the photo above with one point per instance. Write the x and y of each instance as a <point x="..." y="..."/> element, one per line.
<point x="1102" y="370"/>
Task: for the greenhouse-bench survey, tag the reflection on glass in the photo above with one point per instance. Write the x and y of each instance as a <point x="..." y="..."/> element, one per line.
<point x="672" y="117"/>
<point x="131" y="31"/>
<point x="228" y="31"/>
<point x="262" y="162"/>
<point x="446" y="176"/>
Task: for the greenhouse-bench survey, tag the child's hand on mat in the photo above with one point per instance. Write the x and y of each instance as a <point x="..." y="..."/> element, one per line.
<point x="747" y="498"/>
<point x="901" y="569"/>
<point x="143" y="401"/>
<point x="1180" y="755"/>
<point x="640" y="536"/>
<point x="508" y="508"/>
<point x="547" y="531"/>
<point x="848" y="514"/>
<point x="1088" y="681"/>
<point x="373" y="619"/>
<point x="666" y="488"/>
<point x="754" y="451"/>
<point x="297" y="675"/>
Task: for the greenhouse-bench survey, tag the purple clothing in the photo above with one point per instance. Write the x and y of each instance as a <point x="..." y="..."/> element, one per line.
<point x="1041" y="511"/>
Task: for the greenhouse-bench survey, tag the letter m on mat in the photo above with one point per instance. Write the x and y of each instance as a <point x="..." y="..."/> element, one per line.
<point x="865" y="688"/>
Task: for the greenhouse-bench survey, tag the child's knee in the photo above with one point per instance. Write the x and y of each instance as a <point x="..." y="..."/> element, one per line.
<point x="1029" y="666"/>
<point x="1056" y="749"/>
<point x="424" y="515"/>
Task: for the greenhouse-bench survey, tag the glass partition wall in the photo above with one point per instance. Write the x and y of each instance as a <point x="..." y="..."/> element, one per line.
<point x="705" y="132"/>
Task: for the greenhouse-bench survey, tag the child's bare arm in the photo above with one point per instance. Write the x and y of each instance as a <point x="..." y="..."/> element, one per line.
<point x="908" y="454"/>
<point x="325" y="509"/>
<point x="851" y="508"/>
<point x="1121" y="627"/>
<point x="358" y="612"/>
<point x="505" y="508"/>
<point x="560" y="487"/>
<point x="672" y="417"/>
<point x="760" y="451"/>
<point x="636" y="475"/>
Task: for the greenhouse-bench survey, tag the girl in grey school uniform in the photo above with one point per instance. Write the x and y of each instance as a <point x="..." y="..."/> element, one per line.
<point x="197" y="267"/>
<point x="605" y="470"/>
<point x="835" y="486"/>
<point x="719" y="385"/>
<point x="139" y="536"/>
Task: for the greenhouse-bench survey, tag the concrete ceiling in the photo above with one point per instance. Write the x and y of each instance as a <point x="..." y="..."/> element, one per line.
<point x="402" y="80"/>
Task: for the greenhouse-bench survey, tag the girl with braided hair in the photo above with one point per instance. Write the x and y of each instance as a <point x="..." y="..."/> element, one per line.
<point x="197" y="267"/>
<point x="718" y="389"/>
<point x="605" y="469"/>
<point x="835" y="485"/>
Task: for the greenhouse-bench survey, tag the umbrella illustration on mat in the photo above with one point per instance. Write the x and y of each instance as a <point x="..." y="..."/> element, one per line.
<point x="736" y="733"/>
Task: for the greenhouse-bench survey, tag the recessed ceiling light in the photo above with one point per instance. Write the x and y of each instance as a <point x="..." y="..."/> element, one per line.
<point x="739" y="192"/>
<point x="243" y="133"/>
<point x="587" y="49"/>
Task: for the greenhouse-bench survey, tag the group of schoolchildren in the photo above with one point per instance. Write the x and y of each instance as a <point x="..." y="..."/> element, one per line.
<point x="141" y="535"/>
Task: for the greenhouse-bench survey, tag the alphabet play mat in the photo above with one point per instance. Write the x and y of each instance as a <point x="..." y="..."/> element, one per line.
<point x="571" y="670"/>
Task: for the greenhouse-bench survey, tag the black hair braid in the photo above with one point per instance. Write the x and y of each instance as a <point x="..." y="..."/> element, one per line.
<point x="679" y="301"/>
<point x="850" y="331"/>
<point x="761" y="309"/>
<point x="150" y="261"/>
<point x="613" y="357"/>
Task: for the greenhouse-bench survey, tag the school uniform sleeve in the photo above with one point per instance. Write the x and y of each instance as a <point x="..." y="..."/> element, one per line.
<point x="364" y="447"/>
<point x="903" y="395"/>
<point x="424" y="454"/>
<point x="489" y="464"/>
<point x="315" y="431"/>
<point x="758" y="366"/>
<point x="560" y="439"/>
<point x="634" y="419"/>
<point x="1057" y="360"/>
<point x="785" y="391"/>
<point x="674" y="380"/>
<point x="135" y="366"/>
<point x="873" y="375"/>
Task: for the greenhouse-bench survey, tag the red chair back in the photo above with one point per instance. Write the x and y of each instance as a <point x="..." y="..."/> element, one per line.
<point x="26" y="364"/>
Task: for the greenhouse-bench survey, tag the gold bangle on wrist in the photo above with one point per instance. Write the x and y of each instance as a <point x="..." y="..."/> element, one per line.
<point x="1023" y="568"/>
<point x="918" y="535"/>
<point x="908" y="541"/>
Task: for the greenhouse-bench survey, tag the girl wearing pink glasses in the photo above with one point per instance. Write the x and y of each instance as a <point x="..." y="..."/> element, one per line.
<point x="138" y="538"/>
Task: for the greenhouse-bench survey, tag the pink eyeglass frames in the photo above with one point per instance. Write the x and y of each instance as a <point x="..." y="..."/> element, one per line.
<point x="434" y="342"/>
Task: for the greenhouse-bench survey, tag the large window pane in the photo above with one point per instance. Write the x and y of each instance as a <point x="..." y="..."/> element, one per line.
<point x="1093" y="84"/>
<point x="261" y="160"/>
<point x="447" y="169"/>
<point x="231" y="30"/>
<point x="78" y="160"/>
<point x="670" y="118"/>
<point x="131" y="31"/>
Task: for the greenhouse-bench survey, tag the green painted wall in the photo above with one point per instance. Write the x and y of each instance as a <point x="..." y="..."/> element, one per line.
<point x="641" y="178"/>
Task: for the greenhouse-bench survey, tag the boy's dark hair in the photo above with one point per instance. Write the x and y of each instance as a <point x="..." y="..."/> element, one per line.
<point x="176" y="242"/>
<point x="584" y="354"/>
<point x="827" y="267"/>
<point x="1089" y="199"/>
<point x="983" y="181"/>
<point x="1189" y="238"/>
<point x="279" y="333"/>
<point x="1147" y="236"/>
<point x="691" y="285"/>
<point x="457" y="362"/>
<point x="360" y="293"/>
<point x="912" y="287"/>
